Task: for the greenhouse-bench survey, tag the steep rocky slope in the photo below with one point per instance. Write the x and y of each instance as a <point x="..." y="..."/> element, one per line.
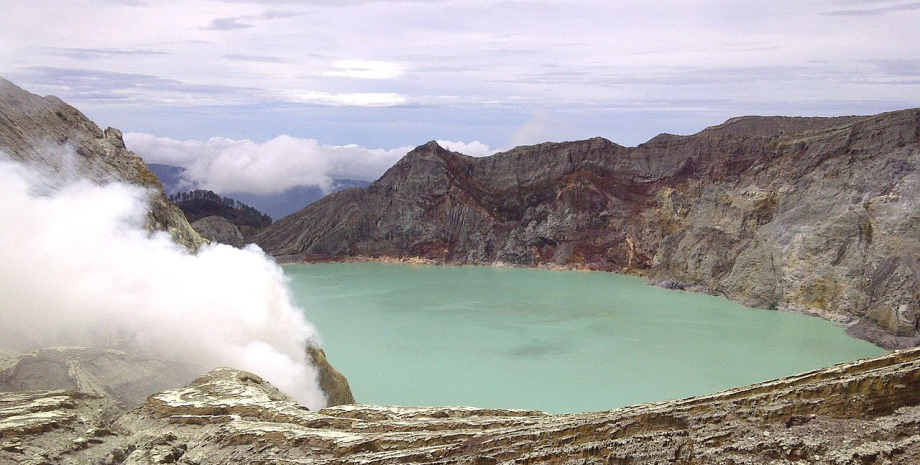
<point x="809" y="214"/>
<point x="331" y="381"/>
<point x="863" y="412"/>
<point x="47" y="133"/>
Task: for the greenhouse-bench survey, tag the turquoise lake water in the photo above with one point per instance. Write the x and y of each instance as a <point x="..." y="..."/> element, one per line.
<point x="547" y="340"/>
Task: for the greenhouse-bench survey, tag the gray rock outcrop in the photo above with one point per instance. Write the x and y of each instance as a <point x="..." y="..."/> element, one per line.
<point x="819" y="215"/>
<point x="331" y="381"/>
<point x="125" y="378"/>
<point x="219" y="229"/>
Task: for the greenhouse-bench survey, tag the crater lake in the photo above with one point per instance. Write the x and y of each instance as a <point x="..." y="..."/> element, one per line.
<point x="557" y="341"/>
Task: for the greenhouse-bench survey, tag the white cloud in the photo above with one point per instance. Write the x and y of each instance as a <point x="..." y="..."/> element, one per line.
<point x="366" y="69"/>
<point x="481" y="64"/>
<point x="357" y="99"/>
<point x="79" y="268"/>
<point x="473" y="149"/>
<point x="227" y="165"/>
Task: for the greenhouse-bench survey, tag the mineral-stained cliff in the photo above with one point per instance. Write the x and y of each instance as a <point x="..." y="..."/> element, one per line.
<point x="811" y="214"/>
<point x="57" y="139"/>
<point x="865" y="412"/>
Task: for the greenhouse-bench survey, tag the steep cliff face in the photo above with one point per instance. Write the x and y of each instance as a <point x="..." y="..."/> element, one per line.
<point x="331" y="381"/>
<point x="811" y="214"/>
<point x="56" y="138"/>
<point x="864" y="412"/>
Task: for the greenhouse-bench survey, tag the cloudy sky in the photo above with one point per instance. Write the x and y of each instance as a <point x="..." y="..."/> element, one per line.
<point x="383" y="75"/>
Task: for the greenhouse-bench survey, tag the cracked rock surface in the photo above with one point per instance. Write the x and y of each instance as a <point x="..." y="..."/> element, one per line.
<point x="864" y="412"/>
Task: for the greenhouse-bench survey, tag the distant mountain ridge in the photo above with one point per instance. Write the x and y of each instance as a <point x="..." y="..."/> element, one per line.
<point x="276" y="206"/>
<point x="819" y="215"/>
<point x="294" y="199"/>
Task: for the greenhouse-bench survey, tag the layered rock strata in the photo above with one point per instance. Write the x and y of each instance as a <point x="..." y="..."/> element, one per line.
<point x="125" y="378"/>
<point x="864" y="412"/>
<point x="819" y="215"/>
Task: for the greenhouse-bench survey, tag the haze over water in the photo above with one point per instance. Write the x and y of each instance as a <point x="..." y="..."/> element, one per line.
<point x="547" y="340"/>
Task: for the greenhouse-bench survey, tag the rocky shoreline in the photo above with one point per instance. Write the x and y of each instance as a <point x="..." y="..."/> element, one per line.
<point x="802" y="214"/>
<point x="856" y="328"/>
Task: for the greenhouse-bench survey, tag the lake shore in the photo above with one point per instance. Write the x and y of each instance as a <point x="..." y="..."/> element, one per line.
<point x="855" y="327"/>
<point x="610" y="337"/>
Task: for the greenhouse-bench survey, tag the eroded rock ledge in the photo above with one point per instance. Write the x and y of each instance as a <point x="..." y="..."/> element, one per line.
<point x="855" y="413"/>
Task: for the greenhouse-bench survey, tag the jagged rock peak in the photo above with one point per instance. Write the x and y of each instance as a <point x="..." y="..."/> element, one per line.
<point x="431" y="145"/>
<point x="428" y="149"/>
<point x="115" y="138"/>
<point x="733" y="210"/>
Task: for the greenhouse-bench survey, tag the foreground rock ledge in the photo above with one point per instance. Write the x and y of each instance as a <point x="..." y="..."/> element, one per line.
<point x="854" y="413"/>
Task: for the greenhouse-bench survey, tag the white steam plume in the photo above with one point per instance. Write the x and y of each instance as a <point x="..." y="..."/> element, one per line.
<point x="227" y="165"/>
<point x="79" y="267"/>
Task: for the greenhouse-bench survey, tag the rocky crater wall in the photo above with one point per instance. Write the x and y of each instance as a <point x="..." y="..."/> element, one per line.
<point x="818" y="215"/>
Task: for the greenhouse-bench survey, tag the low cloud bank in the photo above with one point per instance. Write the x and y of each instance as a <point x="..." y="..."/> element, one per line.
<point x="473" y="149"/>
<point x="271" y="167"/>
<point x="79" y="268"/>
